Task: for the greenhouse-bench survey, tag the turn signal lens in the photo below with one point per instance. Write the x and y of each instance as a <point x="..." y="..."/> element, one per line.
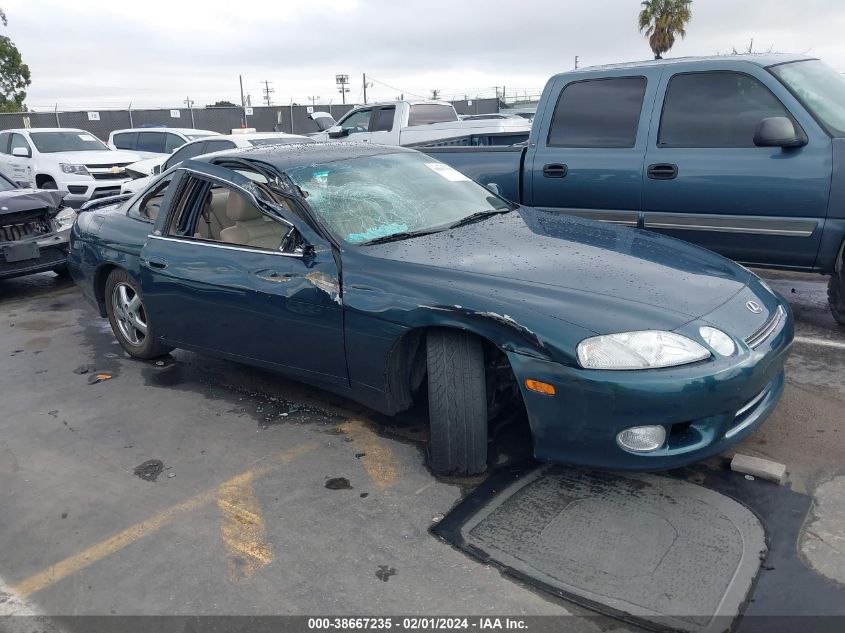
<point x="642" y="439"/>
<point x="540" y="387"/>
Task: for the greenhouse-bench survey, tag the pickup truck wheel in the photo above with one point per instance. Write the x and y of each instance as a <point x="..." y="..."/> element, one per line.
<point x="836" y="296"/>
<point x="457" y="403"/>
<point x="48" y="183"/>
<point x="129" y="319"/>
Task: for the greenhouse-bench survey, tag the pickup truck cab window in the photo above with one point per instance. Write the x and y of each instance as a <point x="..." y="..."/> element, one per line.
<point x="598" y="113"/>
<point x="357" y="122"/>
<point x="383" y="120"/>
<point x="428" y="113"/>
<point x="715" y="109"/>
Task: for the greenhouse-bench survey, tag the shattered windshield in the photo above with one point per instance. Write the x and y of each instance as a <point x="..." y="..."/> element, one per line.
<point x="374" y="197"/>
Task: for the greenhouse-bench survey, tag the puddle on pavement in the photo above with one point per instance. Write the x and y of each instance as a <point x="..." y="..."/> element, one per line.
<point x="149" y="470"/>
<point x="338" y="483"/>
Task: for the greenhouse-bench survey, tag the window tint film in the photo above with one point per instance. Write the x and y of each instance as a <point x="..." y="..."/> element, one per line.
<point x="127" y="140"/>
<point x="216" y="146"/>
<point x="715" y="109"/>
<point x="151" y="142"/>
<point x="173" y="142"/>
<point x="384" y="120"/>
<point x="428" y="113"/>
<point x="598" y="113"/>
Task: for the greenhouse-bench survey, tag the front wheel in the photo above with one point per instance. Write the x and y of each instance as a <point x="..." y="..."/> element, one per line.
<point x="129" y="319"/>
<point x="457" y="403"/>
<point x="836" y="296"/>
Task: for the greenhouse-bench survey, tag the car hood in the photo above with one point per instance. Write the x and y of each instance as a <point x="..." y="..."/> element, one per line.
<point x="18" y="200"/>
<point x="599" y="276"/>
<point x="104" y="157"/>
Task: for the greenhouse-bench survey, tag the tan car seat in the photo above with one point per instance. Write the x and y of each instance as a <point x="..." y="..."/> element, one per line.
<point x="251" y="227"/>
<point x="213" y="218"/>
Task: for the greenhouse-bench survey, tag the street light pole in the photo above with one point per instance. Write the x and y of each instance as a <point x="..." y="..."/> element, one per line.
<point x="190" y="105"/>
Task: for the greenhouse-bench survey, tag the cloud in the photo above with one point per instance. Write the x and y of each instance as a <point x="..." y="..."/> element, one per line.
<point x="158" y="53"/>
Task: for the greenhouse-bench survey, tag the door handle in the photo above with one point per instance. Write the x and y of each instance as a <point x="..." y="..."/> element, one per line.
<point x="157" y="263"/>
<point x="663" y="171"/>
<point x="555" y="170"/>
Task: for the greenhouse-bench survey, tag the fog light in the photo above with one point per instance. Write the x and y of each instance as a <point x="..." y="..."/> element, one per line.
<point x="642" y="439"/>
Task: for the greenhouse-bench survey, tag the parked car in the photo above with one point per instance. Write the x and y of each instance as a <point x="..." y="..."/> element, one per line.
<point x="386" y="276"/>
<point x="744" y="155"/>
<point x="73" y="161"/>
<point x="414" y="123"/>
<point x="153" y="142"/>
<point x="143" y="171"/>
<point x="34" y="230"/>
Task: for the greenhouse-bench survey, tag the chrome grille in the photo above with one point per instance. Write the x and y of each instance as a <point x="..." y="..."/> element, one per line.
<point x="767" y="330"/>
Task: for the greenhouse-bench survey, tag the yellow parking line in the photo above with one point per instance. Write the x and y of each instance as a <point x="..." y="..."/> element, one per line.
<point x="243" y="529"/>
<point x="75" y="563"/>
<point x="379" y="460"/>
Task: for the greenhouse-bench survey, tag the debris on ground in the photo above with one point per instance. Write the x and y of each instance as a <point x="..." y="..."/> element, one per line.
<point x="338" y="483"/>
<point x="149" y="470"/>
<point x="84" y="369"/>
<point x="93" y="379"/>
<point x="758" y="467"/>
<point x="384" y="572"/>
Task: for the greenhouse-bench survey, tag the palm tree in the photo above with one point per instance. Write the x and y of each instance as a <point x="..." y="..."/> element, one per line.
<point x="662" y="20"/>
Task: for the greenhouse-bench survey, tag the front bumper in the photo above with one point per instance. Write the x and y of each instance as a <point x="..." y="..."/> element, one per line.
<point x="705" y="407"/>
<point x="53" y="250"/>
<point x="82" y="190"/>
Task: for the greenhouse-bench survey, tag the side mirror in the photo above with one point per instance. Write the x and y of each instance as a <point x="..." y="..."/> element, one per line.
<point x="23" y="152"/>
<point x="778" y="131"/>
<point x="337" y="132"/>
<point x="493" y="187"/>
<point x="156" y="170"/>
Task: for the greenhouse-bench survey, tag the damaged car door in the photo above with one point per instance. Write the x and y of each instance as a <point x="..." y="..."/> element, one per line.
<point x="231" y="269"/>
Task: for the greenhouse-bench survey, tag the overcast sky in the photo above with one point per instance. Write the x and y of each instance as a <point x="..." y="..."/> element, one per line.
<point x="106" y="53"/>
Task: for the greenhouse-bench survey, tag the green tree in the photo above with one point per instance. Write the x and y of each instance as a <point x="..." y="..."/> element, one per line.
<point x="221" y="104"/>
<point x="662" y="21"/>
<point x="14" y="74"/>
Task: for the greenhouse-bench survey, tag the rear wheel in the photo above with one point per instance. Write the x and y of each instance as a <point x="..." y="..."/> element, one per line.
<point x="836" y="296"/>
<point x="129" y="319"/>
<point x="457" y="403"/>
<point x="47" y="183"/>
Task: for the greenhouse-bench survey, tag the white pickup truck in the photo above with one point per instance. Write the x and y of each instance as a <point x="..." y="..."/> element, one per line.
<point x="418" y="123"/>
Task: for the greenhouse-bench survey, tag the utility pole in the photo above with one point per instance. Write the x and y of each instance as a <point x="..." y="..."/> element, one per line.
<point x="189" y="102"/>
<point x="365" y="86"/>
<point x="313" y="100"/>
<point x="243" y="103"/>
<point x="576" y="62"/>
<point x="267" y="92"/>
<point x="342" y="82"/>
<point x="435" y="94"/>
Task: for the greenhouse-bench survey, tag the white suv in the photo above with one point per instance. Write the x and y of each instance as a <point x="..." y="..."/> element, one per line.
<point x="67" y="159"/>
<point x="158" y="141"/>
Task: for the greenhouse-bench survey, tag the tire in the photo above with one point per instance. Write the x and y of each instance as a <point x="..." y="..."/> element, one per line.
<point x="127" y="317"/>
<point x="457" y="403"/>
<point x="836" y="296"/>
<point x="48" y="183"/>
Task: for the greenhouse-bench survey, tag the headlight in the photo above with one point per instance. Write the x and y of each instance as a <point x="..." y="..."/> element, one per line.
<point x="79" y="170"/>
<point x="64" y="219"/>
<point x="718" y="340"/>
<point x="649" y="349"/>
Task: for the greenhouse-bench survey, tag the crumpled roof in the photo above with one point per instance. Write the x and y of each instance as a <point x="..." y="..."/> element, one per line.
<point x="18" y="200"/>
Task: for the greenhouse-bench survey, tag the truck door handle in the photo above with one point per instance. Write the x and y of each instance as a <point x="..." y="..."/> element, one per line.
<point x="663" y="171"/>
<point x="555" y="170"/>
<point x="157" y="263"/>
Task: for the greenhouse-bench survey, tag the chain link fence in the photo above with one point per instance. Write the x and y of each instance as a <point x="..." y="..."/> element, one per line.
<point x="292" y="119"/>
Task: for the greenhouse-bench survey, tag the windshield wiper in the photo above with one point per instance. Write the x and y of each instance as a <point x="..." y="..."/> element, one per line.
<point x="480" y="215"/>
<point x="395" y="237"/>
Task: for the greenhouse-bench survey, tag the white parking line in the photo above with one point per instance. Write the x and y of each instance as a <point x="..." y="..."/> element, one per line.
<point x="805" y="340"/>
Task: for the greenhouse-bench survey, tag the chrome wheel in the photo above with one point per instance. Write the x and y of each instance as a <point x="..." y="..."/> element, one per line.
<point x="129" y="314"/>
